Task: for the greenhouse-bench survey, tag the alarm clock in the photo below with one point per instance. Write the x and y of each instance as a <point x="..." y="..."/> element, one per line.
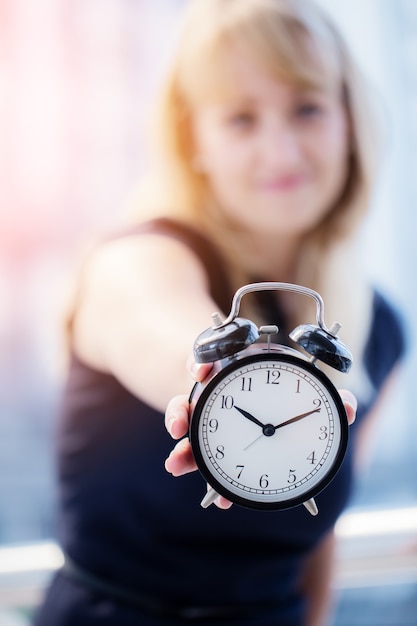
<point x="268" y="428"/>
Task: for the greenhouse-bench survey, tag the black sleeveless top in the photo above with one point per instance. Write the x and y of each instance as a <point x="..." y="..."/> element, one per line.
<point x="127" y="521"/>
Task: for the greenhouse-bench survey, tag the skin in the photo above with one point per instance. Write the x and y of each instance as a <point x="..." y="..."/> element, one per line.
<point x="181" y="460"/>
<point x="275" y="158"/>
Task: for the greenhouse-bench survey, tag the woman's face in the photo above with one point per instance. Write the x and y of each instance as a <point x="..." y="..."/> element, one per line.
<point x="274" y="155"/>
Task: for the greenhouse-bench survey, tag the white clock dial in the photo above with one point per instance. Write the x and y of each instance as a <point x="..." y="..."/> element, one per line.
<point x="271" y="431"/>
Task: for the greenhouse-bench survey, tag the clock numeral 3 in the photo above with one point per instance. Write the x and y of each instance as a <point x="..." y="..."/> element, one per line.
<point x="323" y="433"/>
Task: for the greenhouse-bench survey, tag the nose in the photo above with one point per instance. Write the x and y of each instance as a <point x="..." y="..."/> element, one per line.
<point x="280" y="145"/>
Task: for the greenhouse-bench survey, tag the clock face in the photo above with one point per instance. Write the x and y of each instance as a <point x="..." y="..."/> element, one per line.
<point x="269" y="431"/>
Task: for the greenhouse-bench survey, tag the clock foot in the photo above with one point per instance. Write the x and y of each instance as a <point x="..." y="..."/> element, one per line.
<point x="311" y="506"/>
<point x="209" y="498"/>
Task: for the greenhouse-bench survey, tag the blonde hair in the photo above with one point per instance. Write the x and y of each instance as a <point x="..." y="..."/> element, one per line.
<point x="293" y="41"/>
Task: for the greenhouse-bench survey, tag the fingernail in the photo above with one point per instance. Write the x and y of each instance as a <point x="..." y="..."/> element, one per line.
<point x="351" y="399"/>
<point x="167" y="465"/>
<point x="175" y="428"/>
<point x="194" y="369"/>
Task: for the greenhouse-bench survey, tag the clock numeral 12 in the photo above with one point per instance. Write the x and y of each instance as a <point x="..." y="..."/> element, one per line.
<point x="272" y="377"/>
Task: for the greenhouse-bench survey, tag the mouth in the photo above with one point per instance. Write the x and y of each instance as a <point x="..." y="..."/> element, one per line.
<point x="283" y="183"/>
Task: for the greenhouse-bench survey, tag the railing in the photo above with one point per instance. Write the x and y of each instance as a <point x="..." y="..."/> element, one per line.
<point x="375" y="548"/>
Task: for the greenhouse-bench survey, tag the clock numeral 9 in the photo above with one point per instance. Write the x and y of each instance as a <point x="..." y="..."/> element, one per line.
<point x="213" y="425"/>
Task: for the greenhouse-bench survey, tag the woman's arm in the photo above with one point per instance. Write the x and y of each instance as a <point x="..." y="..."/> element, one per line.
<point x="316" y="582"/>
<point x="142" y="301"/>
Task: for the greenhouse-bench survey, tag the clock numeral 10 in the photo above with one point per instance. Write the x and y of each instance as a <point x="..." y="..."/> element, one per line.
<point x="227" y="402"/>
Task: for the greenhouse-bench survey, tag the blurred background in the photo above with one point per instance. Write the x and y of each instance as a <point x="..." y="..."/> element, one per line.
<point x="76" y="84"/>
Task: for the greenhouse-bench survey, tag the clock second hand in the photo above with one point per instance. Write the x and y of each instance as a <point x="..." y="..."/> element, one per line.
<point x="290" y="421"/>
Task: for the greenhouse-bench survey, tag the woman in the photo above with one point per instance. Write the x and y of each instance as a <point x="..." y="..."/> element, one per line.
<point x="266" y="172"/>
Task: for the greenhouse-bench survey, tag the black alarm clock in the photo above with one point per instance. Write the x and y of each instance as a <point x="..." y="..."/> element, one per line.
<point x="268" y="428"/>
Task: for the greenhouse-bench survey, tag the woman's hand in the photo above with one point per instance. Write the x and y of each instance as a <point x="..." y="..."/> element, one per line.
<point x="177" y="420"/>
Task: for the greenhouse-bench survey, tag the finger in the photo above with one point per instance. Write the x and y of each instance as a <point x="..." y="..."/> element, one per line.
<point x="181" y="460"/>
<point x="199" y="371"/>
<point x="223" y="503"/>
<point x="351" y="404"/>
<point x="212" y="497"/>
<point x="177" y="416"/>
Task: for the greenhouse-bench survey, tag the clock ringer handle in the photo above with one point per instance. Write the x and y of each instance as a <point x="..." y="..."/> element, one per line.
<point x="273" y="286"/>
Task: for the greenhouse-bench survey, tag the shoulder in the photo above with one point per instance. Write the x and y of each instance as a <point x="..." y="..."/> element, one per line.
<point x="142" y="259"/>
<point x="386" y="342"/>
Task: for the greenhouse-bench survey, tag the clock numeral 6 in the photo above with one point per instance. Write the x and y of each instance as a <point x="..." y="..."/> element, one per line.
<point x="263" y="481"/>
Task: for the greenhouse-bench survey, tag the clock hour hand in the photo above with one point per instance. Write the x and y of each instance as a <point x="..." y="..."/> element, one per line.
<point x="296" y="418"/>
<point x="249" y="416"/>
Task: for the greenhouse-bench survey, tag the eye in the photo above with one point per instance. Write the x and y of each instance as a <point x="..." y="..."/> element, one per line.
<point x="307" y="110"/>
<point x="241" y="119"/>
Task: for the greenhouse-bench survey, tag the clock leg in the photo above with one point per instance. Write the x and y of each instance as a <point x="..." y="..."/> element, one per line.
<point x="311" y="506"/>
<point x="209" y="498"/>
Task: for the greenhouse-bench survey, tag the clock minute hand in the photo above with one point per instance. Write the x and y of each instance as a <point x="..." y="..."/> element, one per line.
<point x="296" y="418"/>
<point x="249" y="416"/>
